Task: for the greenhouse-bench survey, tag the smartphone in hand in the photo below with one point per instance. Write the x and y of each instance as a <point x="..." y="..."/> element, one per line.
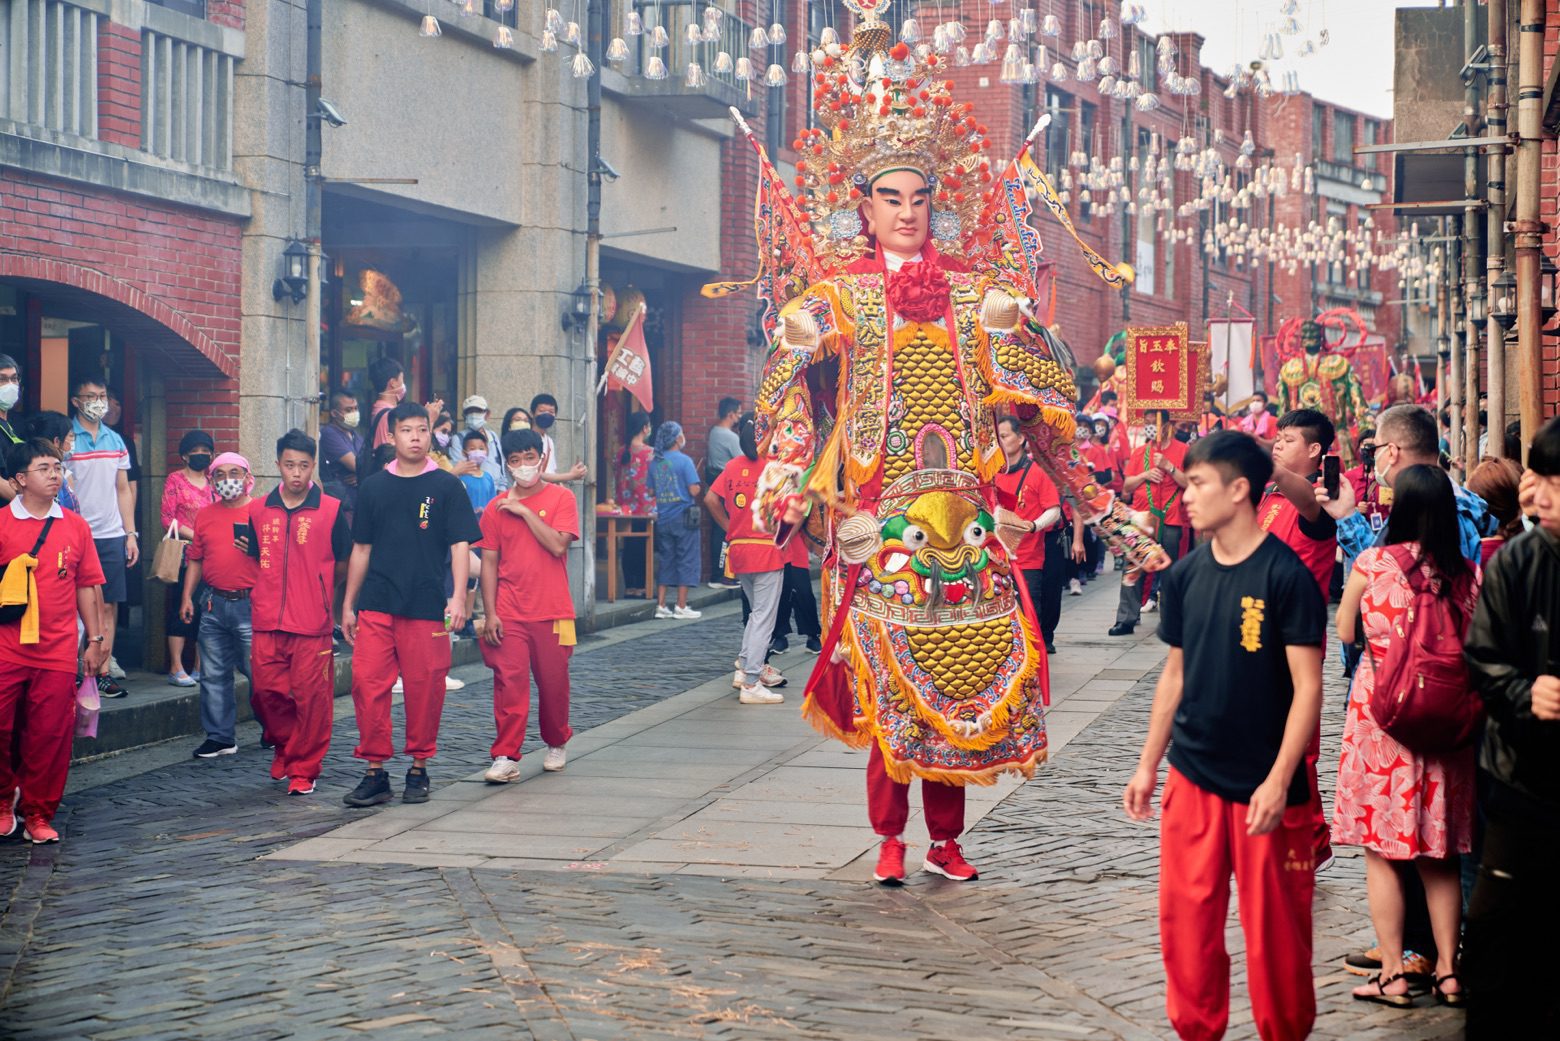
<point x="1330" y="476"/>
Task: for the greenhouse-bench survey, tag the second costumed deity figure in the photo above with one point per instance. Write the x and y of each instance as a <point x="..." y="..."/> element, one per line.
<point x="900" y="292"/>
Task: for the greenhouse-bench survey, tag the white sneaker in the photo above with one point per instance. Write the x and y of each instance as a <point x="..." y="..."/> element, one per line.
<point x="1151" y="607"/>
<point x="715" y="585"/>
<point x="662" y="611"/>
<point x="12" y="821"/>
<point x="503" y="770"/>
<point x="758" y="694"/>
<point x="686" y="612"/>
<point x="737" y="679"/>
<point x="1075" y="588"/>
<point x="556" y="758"/>
<point x="114" y="671"/>
<point x="771" y="677"/>
<point x="451" y="683"/>
<point x="399" y="687"/>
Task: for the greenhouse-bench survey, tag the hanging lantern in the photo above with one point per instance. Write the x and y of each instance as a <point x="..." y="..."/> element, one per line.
<point x="828" y="38"/>
<point x="504" y="38"/>
<point x="693" y="79"/>
<point x="1050" y="25"/>
<point x="1029" y="21"/>
<point x="775" y="76"/>
<point x="695" y="34"/>
<point x="430" y="26"/>
<point x="655" y="68"/>
<point x="552" y="21"/>
<point x="582" y="67"/>
<point x="633" y="25"/>
<point x="961" y="57"/>
<point x="758" y="40"/>
<point x="549" y="41"/>
<point x="956" y="32"/>
<point x="994" y="29"/>
<point x="470" y="9"/>
<point x="1107" y="84"/>
<point x="800" y="63"/>
<point x="744" y="70"/>
<point x="1058" y="72"/>
<point x="776" y="35"/>
<point x="1147" y="102"/>
<point x="910" y="31"/>
<point x="617" y="50"/>
<point x="1108" y="30"/>
<point x="723" y="64"/>
<point x="659" y="38"/>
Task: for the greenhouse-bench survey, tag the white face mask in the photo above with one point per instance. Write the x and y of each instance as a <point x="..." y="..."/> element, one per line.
<point x="475" y="421"/>
<point x="95" y="410"/>
<point x="526" y="476"/>
<point x="351" y="419"/>
<point x="1380" y="474"/>
<point x="1255" y="408"/>
<point x="8" y="395"/>
<point x="230" y="488"/>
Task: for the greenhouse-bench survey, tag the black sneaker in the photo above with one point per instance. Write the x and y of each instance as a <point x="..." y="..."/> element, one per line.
<point x="1121" y="629"/>
<point x="107" y="688"/>
<point x="1050" y="648"/>
<point x="779" y="645"/>
<point x="210" y="749"/>
<point x="468" y="631"/>
<point x="372" y="790"/>
<point x="814" y="644"/>
<point x="416" y="785"/>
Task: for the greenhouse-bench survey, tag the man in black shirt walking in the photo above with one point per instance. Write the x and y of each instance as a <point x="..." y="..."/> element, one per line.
<point x="412" y="531"/>
<point x="1238" y="701"/>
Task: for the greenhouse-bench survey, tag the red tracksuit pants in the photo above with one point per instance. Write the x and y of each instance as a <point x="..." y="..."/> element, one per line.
<point x="1202" y="840"/>
<point x="527" y="649"/>
<point x="888" y="803"/>
<point x="417" y="650"/>
<point x="37" y="722"/>
<point x="293" y="678"/>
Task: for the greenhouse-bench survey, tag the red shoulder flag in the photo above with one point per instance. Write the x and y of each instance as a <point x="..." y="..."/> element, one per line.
<point x="629" y="367"/>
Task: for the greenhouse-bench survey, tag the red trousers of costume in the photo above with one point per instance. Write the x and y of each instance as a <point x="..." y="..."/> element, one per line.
<point x="888" y="803"/>
<point x="417" y="650"/>
<point x="293" y="679"/>
<point x="528" y="648"/>
<point x="1202" y="839"/>
<point x="38" y="722"/>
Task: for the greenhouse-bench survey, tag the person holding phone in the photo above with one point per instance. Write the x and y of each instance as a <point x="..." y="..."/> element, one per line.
<point x="301" y="538"/>
<point x="221" y="574"/>
<point x="1290" y="510"/>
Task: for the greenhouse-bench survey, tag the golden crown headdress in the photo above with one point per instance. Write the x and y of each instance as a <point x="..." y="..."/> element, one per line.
<point x="880" y="108"/>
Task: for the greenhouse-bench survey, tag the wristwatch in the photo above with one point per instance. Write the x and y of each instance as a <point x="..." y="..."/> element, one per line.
<point x="132" y="534"/>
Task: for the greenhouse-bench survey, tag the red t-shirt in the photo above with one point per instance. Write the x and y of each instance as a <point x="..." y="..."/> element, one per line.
<point x="533" y="585"/>
<point x="1167" y="494"/>
<point x="750" y="552"/>
<point x="68" y="561"/>
<point x="1314" y="542"/>
<point x="1035" y="494"/>
<point x="222" y="566"/>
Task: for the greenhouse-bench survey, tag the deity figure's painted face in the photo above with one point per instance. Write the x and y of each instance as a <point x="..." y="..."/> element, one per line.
<point x="898" y="212"/>
<point x="1311" y="337"/>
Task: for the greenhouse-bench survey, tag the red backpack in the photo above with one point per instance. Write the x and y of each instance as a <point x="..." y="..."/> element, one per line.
<point x="1422" y="696"/>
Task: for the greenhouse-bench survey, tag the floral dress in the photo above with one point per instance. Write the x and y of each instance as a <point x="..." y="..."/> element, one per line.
<point x="1389" y="800"/>
<point x="182" y="500"/>
<point x="635" y="494"/>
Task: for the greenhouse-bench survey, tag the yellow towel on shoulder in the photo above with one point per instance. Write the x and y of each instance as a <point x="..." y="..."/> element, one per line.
<point x="19" y="586"/>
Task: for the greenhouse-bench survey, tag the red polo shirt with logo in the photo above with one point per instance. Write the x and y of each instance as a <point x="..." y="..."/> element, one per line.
<point x="67" y="561"/>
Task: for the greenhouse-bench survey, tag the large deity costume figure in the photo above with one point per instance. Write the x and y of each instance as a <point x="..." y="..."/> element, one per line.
<point x="1323" y="380"/>
<point x="904" y="331"/>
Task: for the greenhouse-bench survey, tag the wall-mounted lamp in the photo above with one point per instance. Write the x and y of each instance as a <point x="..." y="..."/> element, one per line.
<point x="295" y="273"/>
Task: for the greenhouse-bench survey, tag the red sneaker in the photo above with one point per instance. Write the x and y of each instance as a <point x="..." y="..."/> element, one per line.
<point x="948" y="861"/>
<point x="37" y="830"/>
<point x="278" y="768"/>
<point x="891" y="863"/>
<point x="300" y="786"/>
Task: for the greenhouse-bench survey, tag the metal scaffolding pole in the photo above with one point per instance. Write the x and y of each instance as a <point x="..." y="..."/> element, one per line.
<point x="1473" y="286"/>
<point x="1494" y="235"/>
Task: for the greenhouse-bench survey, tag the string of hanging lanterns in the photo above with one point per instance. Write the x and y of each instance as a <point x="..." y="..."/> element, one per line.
<point x="1027" y="47"/>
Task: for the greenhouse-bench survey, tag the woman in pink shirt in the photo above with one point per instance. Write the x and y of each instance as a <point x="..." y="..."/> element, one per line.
<point x="186" y="491"/>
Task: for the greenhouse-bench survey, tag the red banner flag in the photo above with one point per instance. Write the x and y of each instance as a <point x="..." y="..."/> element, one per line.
<point x="629" y="367"/>
<point x="1164" y="371"/>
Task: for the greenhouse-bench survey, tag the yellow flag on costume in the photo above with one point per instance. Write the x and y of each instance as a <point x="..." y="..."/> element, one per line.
<point x="1117" y="275"/>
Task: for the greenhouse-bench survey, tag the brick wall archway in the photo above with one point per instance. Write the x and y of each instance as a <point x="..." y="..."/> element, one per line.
<point x="154" y="322"/>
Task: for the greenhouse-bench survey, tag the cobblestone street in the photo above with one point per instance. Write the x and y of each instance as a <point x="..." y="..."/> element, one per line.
<point x="192" y="900"/>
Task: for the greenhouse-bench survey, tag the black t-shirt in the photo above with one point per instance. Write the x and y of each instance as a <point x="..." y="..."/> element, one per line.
<point x="411" y="522"/>
<point x="1233" y="624"/>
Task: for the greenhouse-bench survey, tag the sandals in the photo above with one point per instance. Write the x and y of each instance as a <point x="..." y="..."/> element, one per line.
<point x="1381" y="997"/>
<point x="1454" y="999"/>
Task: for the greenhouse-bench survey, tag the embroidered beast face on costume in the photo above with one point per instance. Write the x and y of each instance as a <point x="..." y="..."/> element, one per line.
<point x="935" y="551"/>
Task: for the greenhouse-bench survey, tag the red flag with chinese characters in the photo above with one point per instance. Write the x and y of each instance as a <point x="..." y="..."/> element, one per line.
<point x="629" y="367"/>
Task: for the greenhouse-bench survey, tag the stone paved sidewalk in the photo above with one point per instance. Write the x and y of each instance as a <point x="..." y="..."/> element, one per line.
<point x="159" y="918"/>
